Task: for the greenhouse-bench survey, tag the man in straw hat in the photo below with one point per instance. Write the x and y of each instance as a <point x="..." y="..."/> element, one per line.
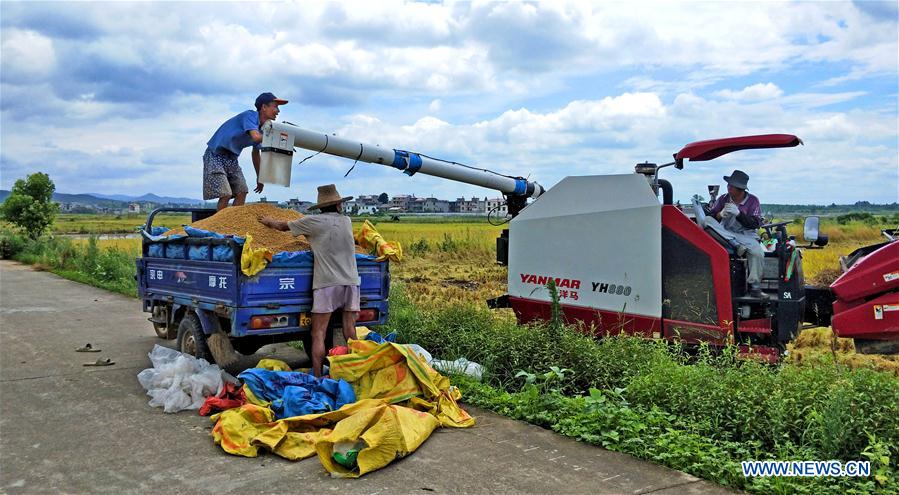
<point x="335" y="280"/>
<point x="222" y="176"/>
<point x="741" y="213"/>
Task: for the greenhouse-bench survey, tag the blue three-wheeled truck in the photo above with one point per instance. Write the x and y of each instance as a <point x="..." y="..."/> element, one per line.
<point x="193" y="286"/>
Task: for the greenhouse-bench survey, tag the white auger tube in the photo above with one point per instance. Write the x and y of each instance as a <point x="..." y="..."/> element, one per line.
<point x="279" y="139"/>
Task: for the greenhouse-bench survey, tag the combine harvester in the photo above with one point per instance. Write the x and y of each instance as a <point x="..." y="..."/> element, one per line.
<point x="624" y="262"/>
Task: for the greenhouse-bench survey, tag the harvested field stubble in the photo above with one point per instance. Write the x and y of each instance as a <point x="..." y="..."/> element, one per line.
<point x="816" y="344"/>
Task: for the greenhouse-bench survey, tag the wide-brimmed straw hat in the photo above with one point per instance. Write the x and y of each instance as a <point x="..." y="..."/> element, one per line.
<point x="738" y="179"/>
<point x="327" y="196"/>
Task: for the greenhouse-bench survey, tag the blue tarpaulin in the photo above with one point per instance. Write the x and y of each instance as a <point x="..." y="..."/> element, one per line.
<point x="302" y="258"/>
<point x="376" y="337"/>
<point x="293" y="393"/>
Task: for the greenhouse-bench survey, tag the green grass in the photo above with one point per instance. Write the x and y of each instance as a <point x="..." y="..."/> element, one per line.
<point x="701" y="414"/>
<point x="86" y="262"/>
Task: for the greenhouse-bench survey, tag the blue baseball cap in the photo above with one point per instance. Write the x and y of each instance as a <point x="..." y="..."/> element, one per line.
<point x="265" y="98"/>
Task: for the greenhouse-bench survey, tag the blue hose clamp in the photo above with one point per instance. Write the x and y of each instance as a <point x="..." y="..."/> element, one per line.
<point x="521" y="187"/>
<point x="408" y="162"/>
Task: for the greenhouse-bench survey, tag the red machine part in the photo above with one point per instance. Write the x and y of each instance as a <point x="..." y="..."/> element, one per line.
<point x="713" y="148"/>
<point x="603" y="322"/>
<point x="867" y="297"/>
<point x="874" y="274"/>
<point x="606" y="322"/>
<point x="680" y="225"/>
<point x="876" y="319"/>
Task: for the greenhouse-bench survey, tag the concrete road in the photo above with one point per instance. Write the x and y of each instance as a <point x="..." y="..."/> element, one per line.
<point x="73" y="429"/>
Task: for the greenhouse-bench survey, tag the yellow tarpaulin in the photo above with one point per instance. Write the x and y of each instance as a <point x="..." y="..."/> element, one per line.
<point x="388" y="432"/>
<point x="396" y="373"/>
<point x="370" y="239"/>
<point x="383" y="375"/>
<point x="273" y="365"/>
<point x="253" y="260"/>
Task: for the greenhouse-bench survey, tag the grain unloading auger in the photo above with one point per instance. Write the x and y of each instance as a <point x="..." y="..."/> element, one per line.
<point x="280" y="138"/>
<point x="623" y="262"/>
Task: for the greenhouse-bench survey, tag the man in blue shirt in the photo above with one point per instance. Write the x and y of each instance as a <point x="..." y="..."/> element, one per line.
<point x="222" y="177"/>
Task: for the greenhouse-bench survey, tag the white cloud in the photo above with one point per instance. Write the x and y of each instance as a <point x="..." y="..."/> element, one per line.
<point x="758" y="91"/>
<point x="27" y="56"/>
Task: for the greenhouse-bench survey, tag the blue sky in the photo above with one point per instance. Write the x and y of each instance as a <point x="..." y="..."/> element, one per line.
<point x="120" y="98"/>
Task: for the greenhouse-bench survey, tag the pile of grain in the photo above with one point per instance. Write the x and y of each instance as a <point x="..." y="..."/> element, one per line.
<point x="243" y="220"/>
<point x="817" y="345"/>
<point x="826" y="276"/>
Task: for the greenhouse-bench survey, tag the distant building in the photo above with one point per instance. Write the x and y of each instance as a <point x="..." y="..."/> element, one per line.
<point x="368" y="209"/>
<point x="300" y="206"/>
<point x="416" y="205"/>
<point x="400" y="203"/>
<point x="434" y="205"/>
<point x="473" y="205"/>
<point x="133" y="208"/>
<point x="496" y="207"/>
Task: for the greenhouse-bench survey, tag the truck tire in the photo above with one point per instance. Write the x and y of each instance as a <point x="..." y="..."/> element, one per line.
<point x="191" y="339"/>
<point x="163" y="331"/>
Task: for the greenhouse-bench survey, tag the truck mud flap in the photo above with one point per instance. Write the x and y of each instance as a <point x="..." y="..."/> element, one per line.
<point x="208" y="320"/>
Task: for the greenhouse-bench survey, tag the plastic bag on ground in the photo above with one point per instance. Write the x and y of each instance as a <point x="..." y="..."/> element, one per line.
<point x="459" y="366"/>
<point x="177" y="381"/>
<point x="421" y="352"/>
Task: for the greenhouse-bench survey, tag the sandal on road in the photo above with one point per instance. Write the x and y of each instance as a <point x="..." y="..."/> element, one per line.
<point x="101" y="362"/>
<point x="87" y="348"/>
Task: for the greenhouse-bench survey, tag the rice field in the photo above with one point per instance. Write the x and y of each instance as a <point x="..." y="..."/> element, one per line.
<point x="454" y="262"/>
<point x="111" y="224"/>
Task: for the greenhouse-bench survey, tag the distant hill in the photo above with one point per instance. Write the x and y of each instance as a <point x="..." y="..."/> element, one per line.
<point x="150" y="197"/>
<point x="831" y="209"/>
<point x="85" y="199"/>
<point x="113" y="200"/>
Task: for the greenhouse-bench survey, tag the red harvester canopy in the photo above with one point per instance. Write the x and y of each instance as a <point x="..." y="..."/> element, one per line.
<point x="713" y="148"/>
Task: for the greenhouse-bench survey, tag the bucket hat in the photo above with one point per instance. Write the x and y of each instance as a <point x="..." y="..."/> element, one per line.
<point x="327" y="196"/>
<point x="738" y="179"/>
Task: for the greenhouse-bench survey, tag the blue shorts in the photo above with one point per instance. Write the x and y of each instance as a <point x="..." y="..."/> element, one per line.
<point x="222" y="176"/>
<point x="330" y="299"/>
